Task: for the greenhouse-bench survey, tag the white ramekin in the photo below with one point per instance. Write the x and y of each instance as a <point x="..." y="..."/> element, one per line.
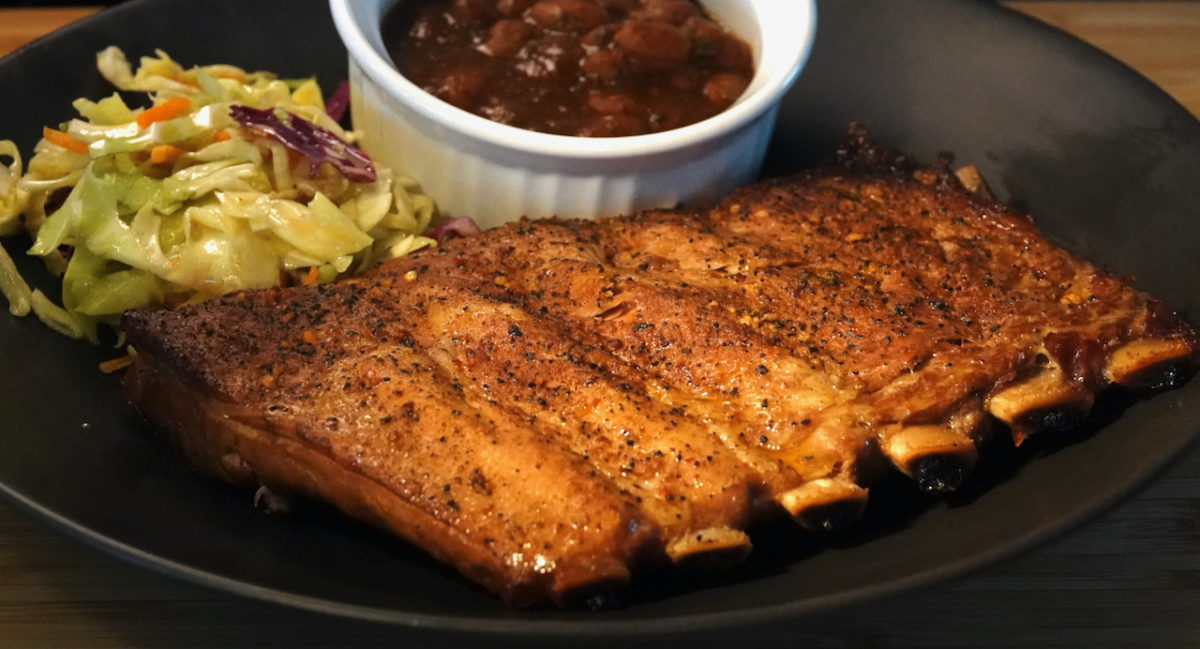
<point x="496" y="173"/>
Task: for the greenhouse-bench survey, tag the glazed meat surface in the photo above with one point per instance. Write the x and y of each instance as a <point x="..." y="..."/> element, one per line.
<point x="551" y="405"/>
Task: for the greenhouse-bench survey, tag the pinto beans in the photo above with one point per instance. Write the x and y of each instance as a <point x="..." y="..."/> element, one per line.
<point x="604" y="65"/>
<point x="660" y="46"/>
<point x="593" y="68"/>
<point x="567" y="15"/>
<point x="507" y="37"/>
<point x="723" y="88"/>
<point x="618" y="8"/>
<point x="551" y="57"/>
<point x="461" y="87"/>
<point x="611" y="103"/>
<point x="713" y="43"/>
<point x="613" y="126"/>
<point x="513" y="8"/>
<point x="672" y="12"/>
<point x="472" y="12"/>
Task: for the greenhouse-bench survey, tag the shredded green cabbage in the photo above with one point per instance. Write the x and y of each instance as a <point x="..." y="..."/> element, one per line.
<point x="165" y="205"/>
<point x="12" y="196"/>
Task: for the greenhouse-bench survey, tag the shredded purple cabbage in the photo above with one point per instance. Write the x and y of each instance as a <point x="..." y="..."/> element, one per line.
<point x="338" y="102"/>
<point x="458" y="227"/>
<point x="313" y="142"/>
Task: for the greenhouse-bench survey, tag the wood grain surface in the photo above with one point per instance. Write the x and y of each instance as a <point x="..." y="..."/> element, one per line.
<point x="19" y="26"/>
<point x="1130" y="578"/>
<point x="1161" y="40"/>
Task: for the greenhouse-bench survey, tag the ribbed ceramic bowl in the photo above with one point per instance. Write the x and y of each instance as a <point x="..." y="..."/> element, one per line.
<point x="496" y="173"/>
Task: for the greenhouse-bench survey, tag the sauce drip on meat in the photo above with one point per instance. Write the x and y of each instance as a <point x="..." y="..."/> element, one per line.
<point x="592" y="68"/>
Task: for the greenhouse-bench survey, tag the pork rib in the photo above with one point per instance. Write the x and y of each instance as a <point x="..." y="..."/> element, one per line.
<point x="552" y="404"/>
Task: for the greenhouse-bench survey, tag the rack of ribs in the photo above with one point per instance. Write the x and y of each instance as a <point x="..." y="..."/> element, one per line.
<point x="552" y="405"/>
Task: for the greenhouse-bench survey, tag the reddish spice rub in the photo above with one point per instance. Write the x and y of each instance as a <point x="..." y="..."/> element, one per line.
<point x="572" y="67"/>
<point x="552" y="405"/>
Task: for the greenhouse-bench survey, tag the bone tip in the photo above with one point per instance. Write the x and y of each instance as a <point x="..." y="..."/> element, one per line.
<point x="825" y="505"/>
<point x="714" y="548"/>
<point x="1155" y="378"/>
<point x="1153" y="364"/>
<point x="938" y="459"/>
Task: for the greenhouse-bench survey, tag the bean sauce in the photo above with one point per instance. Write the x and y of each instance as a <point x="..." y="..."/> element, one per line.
<point x="594" y="68"/>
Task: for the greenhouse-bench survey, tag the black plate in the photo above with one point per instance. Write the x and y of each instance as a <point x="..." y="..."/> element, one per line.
<point x="1107" y="162"/>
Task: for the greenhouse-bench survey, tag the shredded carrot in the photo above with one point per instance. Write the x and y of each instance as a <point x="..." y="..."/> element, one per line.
<point x="165" y="154"/>
<point x="58" y="138"/>
<point x="312" y="276"/>
<point x="115" y="364"/>
<point x="173" y="107"/>
<point x="221" y="136"/>
<point x="309" y="336"/>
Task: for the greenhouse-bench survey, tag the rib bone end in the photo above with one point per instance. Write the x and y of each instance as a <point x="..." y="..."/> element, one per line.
<point x="1045" y="401"/>
<point x="1149" y="363"/>
<point x="825" y="504"/>
<point x="715" y="548"/>
<point x="938" y="457"/>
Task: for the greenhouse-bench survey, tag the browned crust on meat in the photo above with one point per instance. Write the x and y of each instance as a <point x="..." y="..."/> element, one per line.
<point x="552" y="404"/>
<point x="221" y="446"/>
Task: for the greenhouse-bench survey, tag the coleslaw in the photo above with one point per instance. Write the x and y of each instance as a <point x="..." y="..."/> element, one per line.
<point x="229" y="180"/>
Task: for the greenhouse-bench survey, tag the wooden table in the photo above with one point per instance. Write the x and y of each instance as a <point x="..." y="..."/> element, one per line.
<point x="1129" y="579"/>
